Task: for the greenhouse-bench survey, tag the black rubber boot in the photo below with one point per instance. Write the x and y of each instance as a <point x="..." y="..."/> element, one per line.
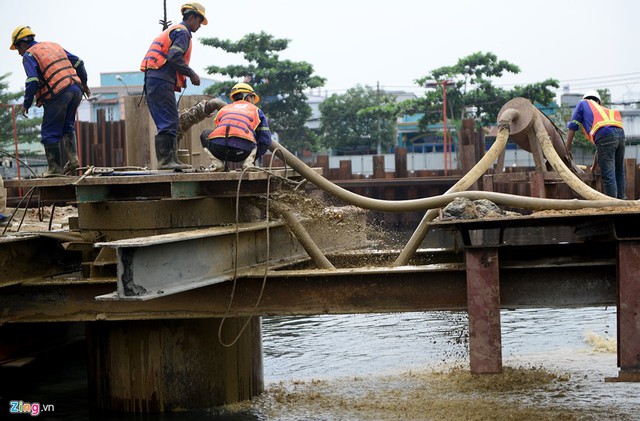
<point x="176" y="160"/>
<point x="52" y="152"/>
<point x="166" y="146"/>
<point x="69" y="142"/>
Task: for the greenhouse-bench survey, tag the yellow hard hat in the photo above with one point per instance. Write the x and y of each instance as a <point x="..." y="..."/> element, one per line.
<point x="19" y="33"/>
<point x="243" y="88"/>
<point x="195" y="7"/>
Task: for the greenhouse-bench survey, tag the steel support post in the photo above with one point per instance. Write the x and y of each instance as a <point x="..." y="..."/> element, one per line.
<point x="147" y="366"/>
<point x="483" y="301"/>
<point x="628" y="311"/>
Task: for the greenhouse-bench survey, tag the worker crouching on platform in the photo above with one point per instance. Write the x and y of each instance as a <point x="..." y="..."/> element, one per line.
<point x="242" y="132"/>
<point x="57" y="79"/>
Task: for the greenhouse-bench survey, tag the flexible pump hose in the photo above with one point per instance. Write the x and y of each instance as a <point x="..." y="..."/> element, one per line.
<point x="559" y="166"/>
<point x="463" y="184"/>
<point x="431" y="203"/>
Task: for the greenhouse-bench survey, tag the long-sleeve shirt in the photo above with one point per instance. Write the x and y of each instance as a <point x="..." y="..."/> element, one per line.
<point x="583" y="116"/>
<point x="180" y="40"/>
<point x="34" y="75"/>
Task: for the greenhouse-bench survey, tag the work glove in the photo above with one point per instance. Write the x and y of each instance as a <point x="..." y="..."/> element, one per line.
<point x="86" y="91"/>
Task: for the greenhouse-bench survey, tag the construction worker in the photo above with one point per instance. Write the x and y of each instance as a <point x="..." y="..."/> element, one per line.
<point x="57" y="79"/>
<point x="242" y="131"/>
<point x="603" y="127"/>
<point x="166" y="67"/>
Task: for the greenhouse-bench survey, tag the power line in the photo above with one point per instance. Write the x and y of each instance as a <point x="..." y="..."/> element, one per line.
<point x="601" y="77"/>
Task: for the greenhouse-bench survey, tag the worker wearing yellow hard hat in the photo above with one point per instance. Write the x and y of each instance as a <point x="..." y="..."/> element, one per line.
<point x="57" y="80"/>
<point x="242" y="131"/>
<point x="245" y="88"/>
<point x="172" y="46"/>
<point x="20" y="33"/>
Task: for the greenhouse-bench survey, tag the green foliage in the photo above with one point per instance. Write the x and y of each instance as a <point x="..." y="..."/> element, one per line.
<point x="472" y="86"/>
<point x="27" y="129"/>
<point x="280" y="84"/>
<point x="358" y="120"/>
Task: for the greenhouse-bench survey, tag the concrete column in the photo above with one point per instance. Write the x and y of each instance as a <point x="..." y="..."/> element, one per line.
<point x="483" y="306"/>
<point x="146" y="366"/>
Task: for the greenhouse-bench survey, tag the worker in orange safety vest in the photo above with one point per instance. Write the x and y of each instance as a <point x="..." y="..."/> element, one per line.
<point x="166" y="67"/>
<point x="57" y="79"/>
<point x="242" y="131"/>
<point x="603" y="127"/>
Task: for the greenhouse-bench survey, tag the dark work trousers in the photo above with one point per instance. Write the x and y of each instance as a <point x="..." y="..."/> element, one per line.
<point x="611" y="161"/>
<point x="232" y="149"/>
<point x="60" y="115"/>
<point x="162" y="105"/>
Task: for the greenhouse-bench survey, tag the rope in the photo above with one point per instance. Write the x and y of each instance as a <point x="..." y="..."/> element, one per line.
<point x="30" y="192"/>
<point x="3" y="152"/>
<point x="235" y="265"/>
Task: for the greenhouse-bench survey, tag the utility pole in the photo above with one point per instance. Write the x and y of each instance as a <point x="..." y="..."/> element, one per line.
<point x="445" y="144"/>
<point x="379" y="149"/>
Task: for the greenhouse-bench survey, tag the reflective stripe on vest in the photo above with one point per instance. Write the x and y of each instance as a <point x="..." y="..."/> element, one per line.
<point x="158" y="54"/>
<point x="56" y="71"/>
<point x="239" y="119"/>
<point x="602" y="117"/>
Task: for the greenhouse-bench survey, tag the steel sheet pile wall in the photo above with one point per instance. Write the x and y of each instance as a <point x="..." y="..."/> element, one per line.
<point x="102" y="143"/>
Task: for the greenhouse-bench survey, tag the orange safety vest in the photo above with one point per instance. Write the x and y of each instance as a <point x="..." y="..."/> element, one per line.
<point x="239" y="119"/>
<point x="602" y="117"/>
<point x="158" y="53"/>
<point x="56" y="71"/>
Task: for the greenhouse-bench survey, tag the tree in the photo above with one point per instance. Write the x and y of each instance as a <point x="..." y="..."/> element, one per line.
<point x="473" y="87"/>
<point x="349" y="125"/>
<point x="280" y="84"/>
<point x="28" y="129"/>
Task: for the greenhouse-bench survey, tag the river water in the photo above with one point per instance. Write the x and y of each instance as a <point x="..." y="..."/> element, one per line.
<point x="403" y="366"/>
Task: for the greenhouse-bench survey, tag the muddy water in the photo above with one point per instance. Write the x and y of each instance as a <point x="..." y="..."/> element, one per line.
<point x="407" y="366"/>
<point x="414" y="366"/>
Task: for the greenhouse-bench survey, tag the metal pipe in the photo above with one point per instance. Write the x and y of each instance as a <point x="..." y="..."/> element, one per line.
<point x="303" y="236"/>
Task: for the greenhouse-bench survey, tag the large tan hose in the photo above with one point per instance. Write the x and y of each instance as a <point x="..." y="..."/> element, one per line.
<point x="597" y="200"/>
<point x="559" y="166"/>
<point x="533" y="203"/>
<point x="194" y="115"/>
<point x="463" y="184"/>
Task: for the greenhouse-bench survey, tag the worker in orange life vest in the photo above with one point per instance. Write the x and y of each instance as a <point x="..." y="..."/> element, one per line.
<point x="57" y="79"/>
<point x="166" y="67"/>
<point x="242" y="131"/>
<point x="603" y="127"/>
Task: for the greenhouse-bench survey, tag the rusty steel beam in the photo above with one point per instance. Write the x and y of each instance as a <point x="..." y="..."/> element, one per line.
<point x="31" y="256"/>
<point x="311" y="292"/>
<point x="483" y="298"/>
<point x="629" y="307"/>
<point x="153" y="184"/>
<point x="153" y="266"/>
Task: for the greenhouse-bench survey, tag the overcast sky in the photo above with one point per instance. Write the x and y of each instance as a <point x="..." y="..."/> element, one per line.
<point x="587" y="44"/>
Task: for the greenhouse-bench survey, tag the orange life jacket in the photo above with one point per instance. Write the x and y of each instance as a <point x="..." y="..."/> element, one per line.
<point x="56" y="71"/>
<point x="238" y="119"/>
<point x="158" y="53"/>
<point x="602" y="117"/>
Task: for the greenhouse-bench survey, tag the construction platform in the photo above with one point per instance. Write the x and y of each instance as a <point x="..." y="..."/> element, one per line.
<point x="154" y="260"/>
